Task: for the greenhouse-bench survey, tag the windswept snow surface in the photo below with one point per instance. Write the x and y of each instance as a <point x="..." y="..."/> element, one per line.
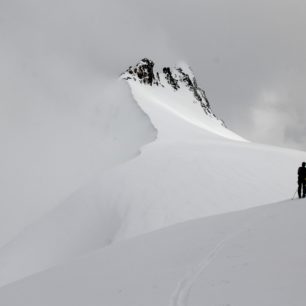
<point x="156" y="101"/>
<point x="187" y="173"/>
<point x="252" y="257"/>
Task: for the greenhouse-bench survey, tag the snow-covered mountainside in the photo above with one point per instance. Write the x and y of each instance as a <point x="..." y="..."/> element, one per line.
<point x="196" y="167"/>
<point x="248" y="258"/>
<point x="180" y="78"/>
<point x="177" y="91"/>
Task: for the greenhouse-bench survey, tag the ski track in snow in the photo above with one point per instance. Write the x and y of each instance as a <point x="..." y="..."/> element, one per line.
<point x="181" y="294"/>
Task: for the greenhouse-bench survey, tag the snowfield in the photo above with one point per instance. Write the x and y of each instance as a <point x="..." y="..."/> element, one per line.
<point x="252" y="257"/>
<point x="188" y="172"/>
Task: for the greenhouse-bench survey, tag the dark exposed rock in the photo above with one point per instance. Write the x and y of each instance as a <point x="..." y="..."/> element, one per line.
<point x="143" y="71"/>
<point x="198" y="93"/>
<point x="185" y="77"/>
<point x="192" y="85"/>
<point x="169" y="77"/>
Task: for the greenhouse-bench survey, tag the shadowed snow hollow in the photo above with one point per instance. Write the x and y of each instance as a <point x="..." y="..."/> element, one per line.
<point x="195" y="168"/>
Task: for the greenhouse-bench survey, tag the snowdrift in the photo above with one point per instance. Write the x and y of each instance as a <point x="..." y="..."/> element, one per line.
<point x="252" y="257"/>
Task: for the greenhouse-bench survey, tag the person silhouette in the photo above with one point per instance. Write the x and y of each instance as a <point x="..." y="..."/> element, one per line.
<point x="302" y="180"/>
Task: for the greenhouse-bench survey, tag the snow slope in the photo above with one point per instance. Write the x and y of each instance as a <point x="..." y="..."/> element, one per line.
<point x="252" y="257"/>
<point x="60" y="125"/>
<point x="174" y="91"/>
<point x="188" y="172"/>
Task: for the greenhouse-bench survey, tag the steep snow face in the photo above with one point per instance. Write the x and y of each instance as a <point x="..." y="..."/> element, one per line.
<point x="175" y="91"/>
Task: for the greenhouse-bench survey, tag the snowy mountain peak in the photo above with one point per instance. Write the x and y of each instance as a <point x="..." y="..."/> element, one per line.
<point x="169" y="95"/>
<point x="180" y="78"/>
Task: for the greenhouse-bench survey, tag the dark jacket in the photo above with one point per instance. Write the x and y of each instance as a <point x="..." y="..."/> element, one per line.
<point x="302" y="174"/>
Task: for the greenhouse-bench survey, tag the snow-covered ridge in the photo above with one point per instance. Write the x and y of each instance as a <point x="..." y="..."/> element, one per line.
<point x="175" y="91"/>
<point x="179" y="78"/>
<point x="187" y="172"/>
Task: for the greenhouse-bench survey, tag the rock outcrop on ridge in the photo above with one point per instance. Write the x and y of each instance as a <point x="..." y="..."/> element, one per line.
<point x="178" y="78"/>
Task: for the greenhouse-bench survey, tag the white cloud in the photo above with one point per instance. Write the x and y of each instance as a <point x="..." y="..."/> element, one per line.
<point x="272" y="119"/>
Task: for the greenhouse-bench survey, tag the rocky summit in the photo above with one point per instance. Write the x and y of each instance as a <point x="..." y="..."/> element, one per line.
<point x="178" y="78"/>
